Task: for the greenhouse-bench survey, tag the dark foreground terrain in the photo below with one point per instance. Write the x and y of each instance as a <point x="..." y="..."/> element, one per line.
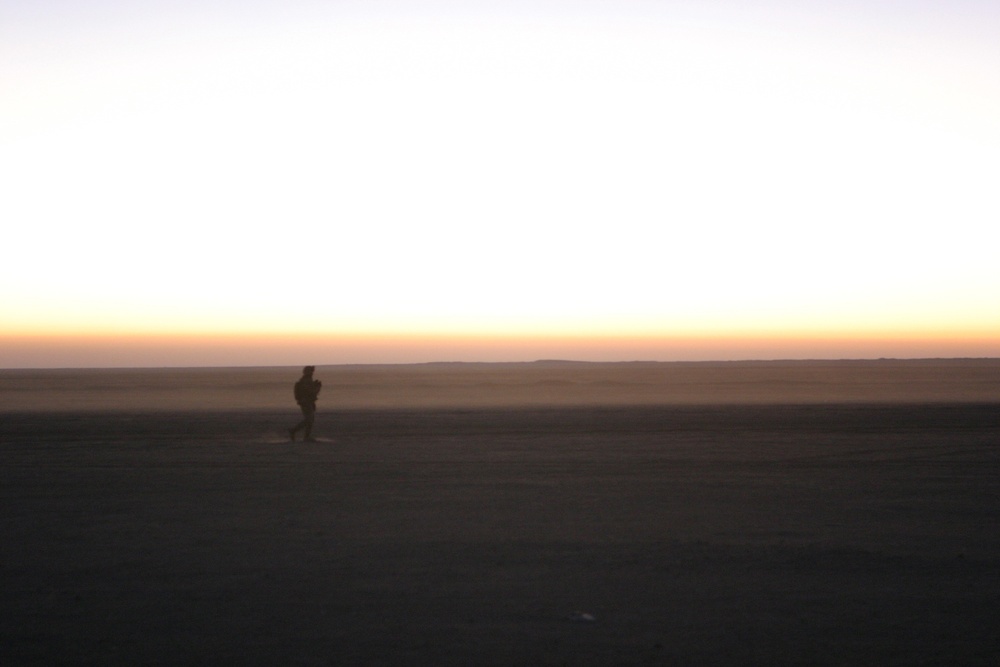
<point x="798" y="534"/>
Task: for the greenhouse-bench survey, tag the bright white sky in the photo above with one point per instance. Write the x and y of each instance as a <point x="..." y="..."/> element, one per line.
<point x="537" y="168"/>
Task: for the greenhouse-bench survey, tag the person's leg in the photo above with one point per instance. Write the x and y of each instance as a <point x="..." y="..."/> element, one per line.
<point x="309" y="414"/>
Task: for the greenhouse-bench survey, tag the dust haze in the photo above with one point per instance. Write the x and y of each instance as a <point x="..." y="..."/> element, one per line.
<point x="484" y="385"/>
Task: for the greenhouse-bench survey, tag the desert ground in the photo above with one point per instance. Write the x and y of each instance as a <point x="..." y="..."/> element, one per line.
<point x="542" y="514"/>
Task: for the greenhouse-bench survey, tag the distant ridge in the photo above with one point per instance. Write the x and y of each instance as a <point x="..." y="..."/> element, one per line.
<point x="698" y="362"/>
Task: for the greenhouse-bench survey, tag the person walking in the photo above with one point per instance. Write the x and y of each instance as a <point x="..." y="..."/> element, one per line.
<point x="306" y="392"/>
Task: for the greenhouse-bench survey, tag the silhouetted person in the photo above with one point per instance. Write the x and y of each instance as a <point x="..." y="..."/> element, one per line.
<point x="306" y="393"/>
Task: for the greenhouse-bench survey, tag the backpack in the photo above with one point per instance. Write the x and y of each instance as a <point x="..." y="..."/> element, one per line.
<point x="300" y="392"/>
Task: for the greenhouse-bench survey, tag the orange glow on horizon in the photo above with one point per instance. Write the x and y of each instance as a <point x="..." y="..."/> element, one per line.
<point x="954" y="321"/>
<point x="158" y="350"/>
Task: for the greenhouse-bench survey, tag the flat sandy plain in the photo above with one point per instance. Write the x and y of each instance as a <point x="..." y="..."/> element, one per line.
<point x="825" y="513"/>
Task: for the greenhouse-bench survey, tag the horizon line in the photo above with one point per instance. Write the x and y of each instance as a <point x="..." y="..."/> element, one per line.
<point x="678" y="362"/>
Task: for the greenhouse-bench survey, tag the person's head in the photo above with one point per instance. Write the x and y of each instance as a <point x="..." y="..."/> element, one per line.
<point x="308" y="370"/>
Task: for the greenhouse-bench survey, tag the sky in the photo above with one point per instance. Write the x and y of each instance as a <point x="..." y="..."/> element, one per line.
<point x="266" y="182"/>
